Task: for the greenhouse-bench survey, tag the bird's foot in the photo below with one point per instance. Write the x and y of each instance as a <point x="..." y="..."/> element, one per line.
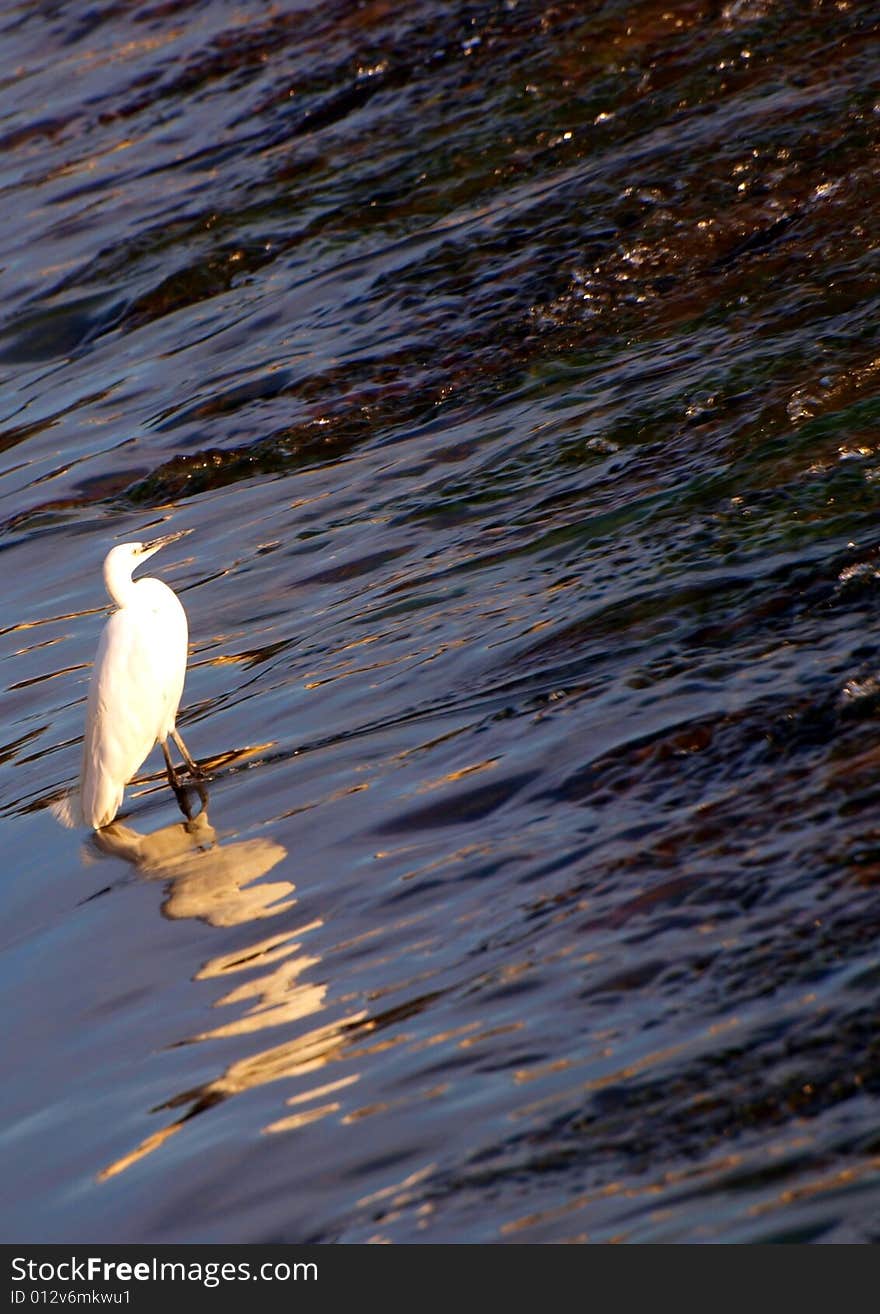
<point x="184" y="800"/>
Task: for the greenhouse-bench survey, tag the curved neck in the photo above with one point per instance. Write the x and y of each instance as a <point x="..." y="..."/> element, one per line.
<point x="118" y="580"/>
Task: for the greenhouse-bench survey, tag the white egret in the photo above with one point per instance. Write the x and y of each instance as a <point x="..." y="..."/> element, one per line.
<point x="136" y="684"/>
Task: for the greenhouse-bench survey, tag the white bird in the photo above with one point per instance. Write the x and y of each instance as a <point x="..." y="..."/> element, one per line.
<point x="136" y="684"/>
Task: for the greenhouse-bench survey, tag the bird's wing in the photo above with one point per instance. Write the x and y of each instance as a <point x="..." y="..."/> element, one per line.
<point x="137" y="676"/>
<point x="167" y="640"/>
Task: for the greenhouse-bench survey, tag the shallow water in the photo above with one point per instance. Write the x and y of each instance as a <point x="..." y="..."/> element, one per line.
<point x="516" y="367"/>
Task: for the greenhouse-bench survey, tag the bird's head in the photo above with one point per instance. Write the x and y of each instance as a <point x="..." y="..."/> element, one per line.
<point x="121" y="560"/>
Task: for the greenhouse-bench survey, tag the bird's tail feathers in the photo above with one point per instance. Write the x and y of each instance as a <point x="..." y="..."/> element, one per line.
<point x="68" y="809"/>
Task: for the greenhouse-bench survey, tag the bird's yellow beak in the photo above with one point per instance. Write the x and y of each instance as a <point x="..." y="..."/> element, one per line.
<point x="147" y="549"/>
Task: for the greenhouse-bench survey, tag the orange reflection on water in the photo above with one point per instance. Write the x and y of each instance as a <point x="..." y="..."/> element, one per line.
<point x="274" y="998"/>
<point x="624" y="1190"/>
<point x="212" y="881"/>
<point x="221" y="884"/>
<point x="140" y="1152"/>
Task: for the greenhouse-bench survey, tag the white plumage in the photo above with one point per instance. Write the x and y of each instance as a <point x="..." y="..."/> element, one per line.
<point x="136" y="685"/>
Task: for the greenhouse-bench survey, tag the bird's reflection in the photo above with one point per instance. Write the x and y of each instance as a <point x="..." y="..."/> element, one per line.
<point x="220" y="883"/>
<point x="208" y="880"/>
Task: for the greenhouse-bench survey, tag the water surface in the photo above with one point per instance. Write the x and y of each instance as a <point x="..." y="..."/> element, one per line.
<point x="516" y="367"/>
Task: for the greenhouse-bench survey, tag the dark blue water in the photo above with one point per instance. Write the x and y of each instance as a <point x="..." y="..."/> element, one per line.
<point x="516" y="367"/>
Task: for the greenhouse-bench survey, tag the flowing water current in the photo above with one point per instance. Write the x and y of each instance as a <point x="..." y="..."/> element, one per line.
<point x="516" y="366"/>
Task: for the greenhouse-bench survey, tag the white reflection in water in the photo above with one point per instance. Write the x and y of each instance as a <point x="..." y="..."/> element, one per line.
<point x="209" y="880"/>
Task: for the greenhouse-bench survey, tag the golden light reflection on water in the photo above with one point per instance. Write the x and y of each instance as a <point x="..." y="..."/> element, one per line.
<point x="625" y="1190"/>
<point x="212" y="881"/>
<point x="294" y="1058"/>
<point x="221" y="884"/>
<point x="679" y="1185"/>
<point x="823" y="1183"/>
<point x="273" y="999"/>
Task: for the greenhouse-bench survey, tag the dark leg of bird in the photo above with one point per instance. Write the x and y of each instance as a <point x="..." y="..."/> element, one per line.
<point x="184" y="800"/>
<point x="169" y="767"/>
<point x="184" y="753"/>
<point x="184" y="804"/>
<point x="179" y="792"/>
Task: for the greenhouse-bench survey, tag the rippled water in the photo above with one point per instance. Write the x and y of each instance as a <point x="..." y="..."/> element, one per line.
<point x="516" y="365"/>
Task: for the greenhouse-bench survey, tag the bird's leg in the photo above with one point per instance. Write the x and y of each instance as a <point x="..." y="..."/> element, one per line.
<point x="169" y="767"/>
<point x="202" y="793"/>
<point x="183" y="803"/>
<point x="194" y="768"/>
<point x="179" y="792"/>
